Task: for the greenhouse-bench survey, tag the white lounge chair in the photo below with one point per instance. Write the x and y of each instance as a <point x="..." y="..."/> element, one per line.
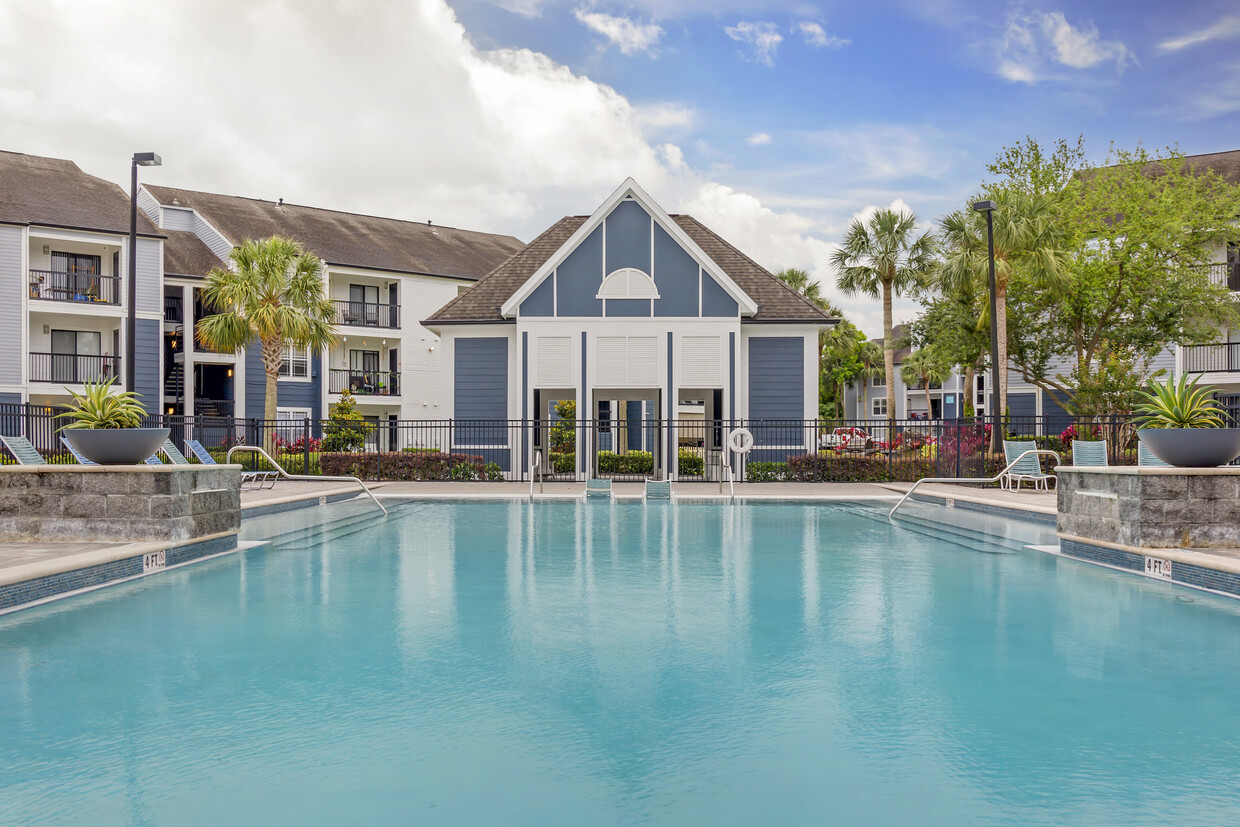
<point x="1146" y="458"/>
<point x="1028" y="469"/>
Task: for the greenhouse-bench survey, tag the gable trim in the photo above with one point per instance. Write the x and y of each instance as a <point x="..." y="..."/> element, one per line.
<point x="631" y="191"/>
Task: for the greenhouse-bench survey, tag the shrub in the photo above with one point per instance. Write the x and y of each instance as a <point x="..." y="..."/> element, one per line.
<point x="564" y="430"/>
<point x="563" y="463"/>
<point x="631" y="462"/>
<point x="405" y="466"/>
<point x="832" y="467"/>
<point x="492" y="472"/>
<point x="765" y="471"/>
<point x="690" y="464"/>
<point x="346" y="429"/>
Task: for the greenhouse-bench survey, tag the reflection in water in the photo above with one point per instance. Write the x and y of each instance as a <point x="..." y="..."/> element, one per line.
<point x="618" y="663"/>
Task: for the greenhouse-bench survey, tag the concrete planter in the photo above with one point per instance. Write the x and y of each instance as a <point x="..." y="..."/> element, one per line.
<point x="1193" y="447"/>
<point x="116" y="446"/>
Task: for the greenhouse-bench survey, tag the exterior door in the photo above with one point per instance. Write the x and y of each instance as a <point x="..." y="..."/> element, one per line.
<point x="364" y="303"/>
<point x="75" y="356"/>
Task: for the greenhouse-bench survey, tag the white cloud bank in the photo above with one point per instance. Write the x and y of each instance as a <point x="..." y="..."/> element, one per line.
<point x="1222" y="29"/>
<point x="629" y="36"/>
<point x="758" y="139"/>
<point x="392" y="113"/>
<point x="815" y="35"/>
<point x="761" y="40"/>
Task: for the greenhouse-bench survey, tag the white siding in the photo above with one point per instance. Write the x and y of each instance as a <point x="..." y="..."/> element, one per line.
<point x="148" y="205"/>
<point x="631" y="361"/>
<point x="701" y="362"/>
<point x="215" y="242"/>
<point x="178" y="218"/>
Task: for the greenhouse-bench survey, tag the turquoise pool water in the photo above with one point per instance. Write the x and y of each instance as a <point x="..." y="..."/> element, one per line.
<point x="502" y="663"/>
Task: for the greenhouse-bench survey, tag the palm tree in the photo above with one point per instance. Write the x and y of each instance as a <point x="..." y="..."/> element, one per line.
<point x="274" y="293"/>
<point x="882" y="257"/>
<point x="870" y="355"/>
<point x="1027" y="236"/>
<point x="926" y="367"/>
<point x="800" y="281"/>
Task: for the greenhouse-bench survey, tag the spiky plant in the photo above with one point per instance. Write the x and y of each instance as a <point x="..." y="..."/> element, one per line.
<point x="1179" y="404"/>
<point x="101" y="409"/>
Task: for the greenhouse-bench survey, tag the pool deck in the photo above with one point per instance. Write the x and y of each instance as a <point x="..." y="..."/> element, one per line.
<point x="33" y="573"/>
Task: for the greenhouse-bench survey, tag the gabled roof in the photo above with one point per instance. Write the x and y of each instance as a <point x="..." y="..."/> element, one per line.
<point x="348" y="239"/>
<point x="56" y="193"/>
<point x="484" y="302"/>
<point x="186" y="255"/>
<point x="1226" y="164"/>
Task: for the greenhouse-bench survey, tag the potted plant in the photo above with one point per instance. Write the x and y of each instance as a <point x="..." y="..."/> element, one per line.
<point x="106" y="427"/>
<point x="1184" y="427"/>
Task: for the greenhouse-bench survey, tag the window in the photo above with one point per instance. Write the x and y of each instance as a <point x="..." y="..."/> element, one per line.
<point x="296" y="362"/>
<point x="76" y="357"/>
<point x="878" y="407"/>
<point x="880" y="381"/>
<point x="628" y="283"/>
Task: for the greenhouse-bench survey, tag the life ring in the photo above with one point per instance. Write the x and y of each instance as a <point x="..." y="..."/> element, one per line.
<point x="740" y="441"/>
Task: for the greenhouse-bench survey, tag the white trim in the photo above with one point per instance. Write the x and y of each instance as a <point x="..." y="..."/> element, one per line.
<point x="629" y="188"/>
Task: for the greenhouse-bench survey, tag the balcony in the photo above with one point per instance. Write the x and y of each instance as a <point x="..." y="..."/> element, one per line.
<point x="84" y="288"/>
<point x="1219" y="358"/>
<point x="173" y="310"/>
<point x="364" y="382"/>
<point x="71" y="368"/>
<point x="368" y="314"/>
<point x="1225" y="275"/>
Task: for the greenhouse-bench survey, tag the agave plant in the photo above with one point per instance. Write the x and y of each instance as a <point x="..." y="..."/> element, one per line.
<point x="100" y="408"/>
<point x="1179" y="404"/>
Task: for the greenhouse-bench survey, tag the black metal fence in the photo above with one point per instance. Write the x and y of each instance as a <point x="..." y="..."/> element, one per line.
<point x="620" y="449"/>
<point x="87" y="288"/>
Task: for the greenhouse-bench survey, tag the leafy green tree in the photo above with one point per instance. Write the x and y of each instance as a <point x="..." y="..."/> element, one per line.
<point x="346" y="428"/>
<point x="273" y="293"/>
<point x="952" y="323"/>
<point x="803" y="283"/>
<point x="927" y="367"/>
<point x="1028" y="239"/>
<point x="884" y="257"/>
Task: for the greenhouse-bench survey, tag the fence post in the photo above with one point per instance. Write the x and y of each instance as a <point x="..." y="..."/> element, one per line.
<point x="305" y="445"/>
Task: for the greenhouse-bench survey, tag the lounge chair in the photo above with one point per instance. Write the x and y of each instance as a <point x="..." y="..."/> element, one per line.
<point x="174" y="456"/>
<point x="598" y="489"/>
<point x="1146" y="458"/>
<point x="658" y="490"/>
<point x="258" y="477"/>
<point x="1028" y="469"/>
<point x="22" y="450"/>
<point x="1089" y="453"/>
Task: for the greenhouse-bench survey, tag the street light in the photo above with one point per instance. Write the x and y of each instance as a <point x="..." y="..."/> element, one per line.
<point x="989" y="207"/>
<point x="140" y="159"/>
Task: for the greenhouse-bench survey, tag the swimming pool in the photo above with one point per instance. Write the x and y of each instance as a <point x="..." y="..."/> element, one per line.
<point x="570" y="663"/>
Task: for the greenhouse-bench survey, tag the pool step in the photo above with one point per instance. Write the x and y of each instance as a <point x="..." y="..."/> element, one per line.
<point x="967" y="529"/>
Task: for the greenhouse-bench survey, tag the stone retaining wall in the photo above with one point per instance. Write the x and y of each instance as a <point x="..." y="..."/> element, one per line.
<point x="1151" y="507"/>
<point x="118" y="503"/>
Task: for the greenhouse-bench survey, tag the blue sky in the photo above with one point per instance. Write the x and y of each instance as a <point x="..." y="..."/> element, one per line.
<point x="774" y="122"/>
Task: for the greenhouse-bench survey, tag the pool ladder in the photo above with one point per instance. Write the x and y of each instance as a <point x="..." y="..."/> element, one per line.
<point x="254" y="449"/>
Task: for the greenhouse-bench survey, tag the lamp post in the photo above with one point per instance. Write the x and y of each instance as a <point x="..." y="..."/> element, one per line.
<point x="988" y="207"/>
<point x="140" y="159"/>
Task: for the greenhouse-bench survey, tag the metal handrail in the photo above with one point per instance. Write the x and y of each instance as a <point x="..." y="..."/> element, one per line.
<point x="536" y="465"/>
<point x="280" y="469"/>
<point x="727" y="453"/>
<point x="975" y="480"/>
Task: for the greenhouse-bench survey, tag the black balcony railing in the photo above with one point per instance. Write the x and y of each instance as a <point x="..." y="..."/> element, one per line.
<point x="53" y="285"/>
<point x="1223" y="357"/>
<point x="73" y="368"/>
<point x="368" y="314"/>
<point x="364" y="382"/>
<point x="1225" y="274"/>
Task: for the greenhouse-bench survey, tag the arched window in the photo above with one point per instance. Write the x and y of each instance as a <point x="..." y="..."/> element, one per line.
<point x="627" y="283"/>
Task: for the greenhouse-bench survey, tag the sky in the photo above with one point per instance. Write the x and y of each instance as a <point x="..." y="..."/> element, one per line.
<point x="775" y="122"/>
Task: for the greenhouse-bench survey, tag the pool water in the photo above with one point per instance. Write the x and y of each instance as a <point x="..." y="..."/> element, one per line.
<point x="592" y="663"/>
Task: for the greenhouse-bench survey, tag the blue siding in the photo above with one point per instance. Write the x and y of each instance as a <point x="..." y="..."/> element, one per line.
<point x="579" y="276"/>
<point x="776" y="382"/>
<point x="1056" y="416"/>
<point x="146" y="377"/>
<point x="10" y="399"/>
<point x="149" y="282"/>
<point x="542" y="301"/>
<point x="1023" y="406"/>
<point x="715" y="300"/>
<point x="628" y="307"/>
<point x="628" y="237"/>
<point x="676" y="276"/>
<point x="12" y="314"/>
<point x="481" y="378"/>
<point x="292" y="394"/>
<point x="255" y="381"/>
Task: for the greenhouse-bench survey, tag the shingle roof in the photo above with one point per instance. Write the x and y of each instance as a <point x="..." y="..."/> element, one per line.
<point x="348" y="239"/>
<point x="186" y="255"/>
<point x="900" y="334"/>
<point x="1226" y="164"/>
<point x="54" y="192"/>
<point x="776" y="301"/>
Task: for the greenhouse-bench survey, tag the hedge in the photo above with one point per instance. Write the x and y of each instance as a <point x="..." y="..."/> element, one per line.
<point x="404" y="466"/>
<point x="690" y="464"/>
<point x="632" y="462"/>
<point x="765" y="472"/>
<point x="563" y="463"/>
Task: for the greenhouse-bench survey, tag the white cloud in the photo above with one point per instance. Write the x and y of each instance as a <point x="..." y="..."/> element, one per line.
<point x="815" y="35"/>
<point x="763" y="40"/>
<point x="890" y="151"/>
<point x="758" y="139"/>
<point x="1222" y="29"/>
<point x="1034" y="45"/>
<point x="629" y="36"/>
<point x="666" y="118"/>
